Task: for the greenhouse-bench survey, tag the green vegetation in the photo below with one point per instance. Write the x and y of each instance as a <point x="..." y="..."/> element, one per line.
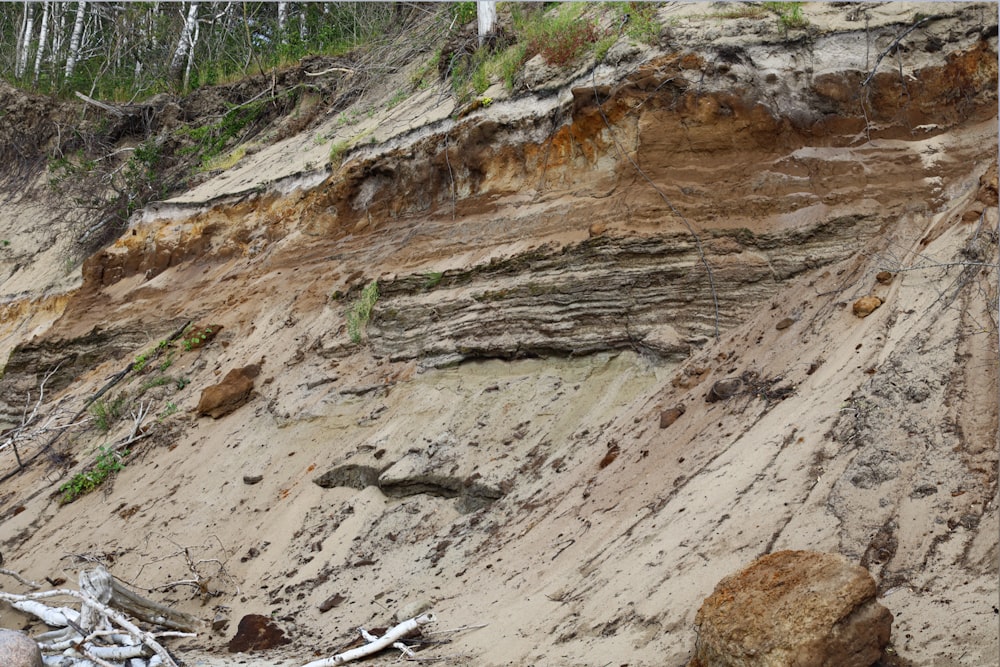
<point x="169" y="410"/>
<point x="361" y="311"/>
<point x="789" y="14"/>
<point x="143" y="359"/>
<point x="200" y="337"/>
<point x="108" y="462"/>
<point x="432" y="279"/>
<point x="397" y="98"/>
<point x="560" y="36"/>
<point x="107" y="412"/>
<point x="639" y="20"/>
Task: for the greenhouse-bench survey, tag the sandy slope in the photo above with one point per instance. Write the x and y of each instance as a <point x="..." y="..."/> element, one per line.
<point x="610" y="529"/>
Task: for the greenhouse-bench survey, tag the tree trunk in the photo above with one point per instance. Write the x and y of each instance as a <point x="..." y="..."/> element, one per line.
<point x="29" y="28"/>
<point x="184" y="42"/>
<point x="74" y="40"/>
<point x="43" y="35"/>
<point x="190" y="61"/>
<point x="486" y="12"/>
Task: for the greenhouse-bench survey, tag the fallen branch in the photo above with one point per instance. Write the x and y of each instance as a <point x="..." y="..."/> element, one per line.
<point x="391" y="636"/>
<point x="345" y="70"/>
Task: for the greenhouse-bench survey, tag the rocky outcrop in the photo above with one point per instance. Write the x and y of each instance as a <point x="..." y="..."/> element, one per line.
<point x="636" y="292"/>
<point x="18" y="650"/>
<point x="800" y="608"/>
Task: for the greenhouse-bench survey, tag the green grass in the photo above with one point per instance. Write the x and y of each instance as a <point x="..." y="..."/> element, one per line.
<point x="107" y="412"/>
<point x="361" y="311"/>
<point x="789" y="14"/>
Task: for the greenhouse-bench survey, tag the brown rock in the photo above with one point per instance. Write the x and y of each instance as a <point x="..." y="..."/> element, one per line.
<point x="257" y="633"/>
<point x="883" y="277"/>
<point x="798" y="608"/>
<point x="597" y="229"/>
<point x="18" y="650"/>
<point x="670" y="415"/>
<point x="866" y="305"/>
<point x="724" y="389"/>
<point x="234" y="390"/>
<point x="784" y="324"/>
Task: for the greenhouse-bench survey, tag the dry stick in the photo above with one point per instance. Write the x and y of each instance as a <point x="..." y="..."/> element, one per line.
<point x="896" y="42"/>
<point x="391" y="636"/>
<point x="690" y="228"/>
<point x="454" y="187"/>
<point x="113" y="614"/>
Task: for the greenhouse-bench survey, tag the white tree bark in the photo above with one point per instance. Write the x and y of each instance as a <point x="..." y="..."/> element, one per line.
<point x="486" y="13"/>
<point x="74" y="40"/>
<point x="29" y="29"/>
<point x="282" y="19"/>
<point x="190" y="61"/>
<point x="391" y="636"/>
<point x="43" y="35"/>
<point x="184" y="42"/>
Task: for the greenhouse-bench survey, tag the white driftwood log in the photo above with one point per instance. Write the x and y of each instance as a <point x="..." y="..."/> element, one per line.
<point x="391" y="636"/>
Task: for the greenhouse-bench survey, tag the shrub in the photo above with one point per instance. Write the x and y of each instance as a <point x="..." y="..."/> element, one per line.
<point x="559" y="37"/>
<point x="108" y="462"/>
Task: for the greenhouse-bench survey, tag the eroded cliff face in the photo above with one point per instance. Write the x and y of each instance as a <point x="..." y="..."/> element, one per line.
<point x="554" y="271"/>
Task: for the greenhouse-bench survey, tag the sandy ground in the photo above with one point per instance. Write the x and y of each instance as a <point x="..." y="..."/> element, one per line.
<point x="610" y="529"/>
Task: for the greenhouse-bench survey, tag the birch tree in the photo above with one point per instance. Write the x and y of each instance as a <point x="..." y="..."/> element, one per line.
<point x="29" y="29"/>
<point x="74" y="40"/>
<point x="486" y="13"/>
<point x="185" y="43"/>
<point x="43" y="35"/>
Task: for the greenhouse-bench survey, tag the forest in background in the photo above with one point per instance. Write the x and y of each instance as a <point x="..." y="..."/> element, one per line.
<point x="128" y="51"/>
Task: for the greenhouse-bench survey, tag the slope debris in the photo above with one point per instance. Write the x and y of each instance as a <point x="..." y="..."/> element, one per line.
<point x="612" y="354"/>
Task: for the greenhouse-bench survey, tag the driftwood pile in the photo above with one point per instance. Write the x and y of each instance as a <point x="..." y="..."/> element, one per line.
<point x="99" y="629"/>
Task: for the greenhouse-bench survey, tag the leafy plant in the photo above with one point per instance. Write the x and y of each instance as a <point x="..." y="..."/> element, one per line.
<point x="108" y="462"/>
<point x="143" y="359"/>
<point x="200" y="337"/>
<point x="361" y="311"/>
<point x="338" y="150"/>
<point x="463" y="12"/>
<point x="169" y="410"/>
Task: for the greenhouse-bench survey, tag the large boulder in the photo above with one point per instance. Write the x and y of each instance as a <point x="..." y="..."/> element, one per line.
<point x="234" y="390"/>
<point x="799" y="608"/>
<point x="18" y="650"/>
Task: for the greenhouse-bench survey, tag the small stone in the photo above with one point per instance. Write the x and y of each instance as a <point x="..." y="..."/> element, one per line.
<point x="18" y="650"/>
<point x="597" y="229"/>
<point x="670" y="415"/>
<point x="220" y="622"/>
<point x="331" y="602"/>
<point x="866" y="305"/>
<point x="724" y="389"/>
<point x="252" y="479"/>
<point x="801" y="608"/>
<point x="923" y="491"/>
<point x="883" y="277"/>
<point x="784" y="324"/>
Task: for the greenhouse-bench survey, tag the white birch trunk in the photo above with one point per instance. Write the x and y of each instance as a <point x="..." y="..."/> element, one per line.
<point x="43" y="35"/>
<point x="74" y="40"/>
<point x="194" y="41"/>
<point x="58" y="31"/>
<point x="486" y="13"/>
<point x="29" y="28"/>
<point x="282" y="19"/>
<point x="184" y="43"/>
